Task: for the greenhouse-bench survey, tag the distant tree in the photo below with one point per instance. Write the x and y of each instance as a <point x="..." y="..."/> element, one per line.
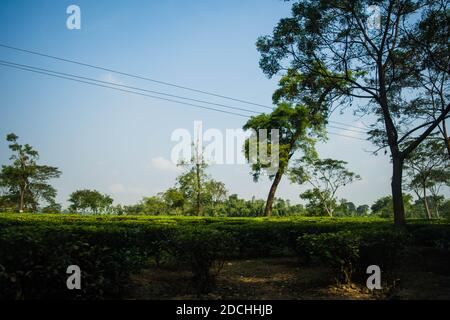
<point x="280" y="207"/>
<point x="296" y="124"/>
<point x="198" y="189"/>
<point x="315" y="202"/>
<point x="119" y="210"/>
<point x="175" y="200"/>
<point x="296" y="209"/>
<point x="192" y="182"/>
<point x="383" y="207"/>
<point x="216" y="194"/>
<point x="346" y="208"/>
<point x="6" y="205"/>
<point x="362" y="210"/>
<point x="236" y="207"/>
<point x="52" y="207"/>
<point x="326" y="177"/>
<point x="154" y="206"/>
<point x="89" y="201"/>
<point x="427" y="168"/>
<point x="445" y="209"/>
<point x="24" y="181"/>
<point x="436" y="202"/>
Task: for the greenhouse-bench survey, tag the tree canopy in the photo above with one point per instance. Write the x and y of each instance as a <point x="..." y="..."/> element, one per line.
<point x="330" y="53"/>
<point x="297" y="126"/>
<point x="25" y="183"/>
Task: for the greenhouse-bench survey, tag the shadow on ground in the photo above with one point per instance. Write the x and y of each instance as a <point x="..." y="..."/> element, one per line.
<point x="282" y="278"/>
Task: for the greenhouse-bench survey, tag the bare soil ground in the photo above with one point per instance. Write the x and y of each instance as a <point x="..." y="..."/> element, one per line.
<point x="282" y="278"/>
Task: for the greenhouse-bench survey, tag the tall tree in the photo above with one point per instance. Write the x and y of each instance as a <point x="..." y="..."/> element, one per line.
<point x="191" y="183"/>
<point x="26" y="182"/>
<point x="197" y="187"/>
<point x="430" y="44"/>
<point x="372" y="65"/>
<point x="296" y="125"/>
<point x="326" y="176"/>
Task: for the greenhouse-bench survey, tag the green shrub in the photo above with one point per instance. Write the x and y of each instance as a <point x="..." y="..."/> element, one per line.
<point x="204" y="251"/>
<point x="33" y="263"/>
<point x="435" y="236"/>
<point x="381" y="247"/>
<point x="35" y="249"/>
<point x="338" y="250"/>
<point x="349" y="253"/>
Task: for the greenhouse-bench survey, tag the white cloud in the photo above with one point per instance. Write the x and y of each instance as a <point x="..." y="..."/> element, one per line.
<point x="162" y="164"/>
<point x="117" y="188"/>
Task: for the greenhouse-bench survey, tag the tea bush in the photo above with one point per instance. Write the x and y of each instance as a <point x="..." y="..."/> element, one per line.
<point x="204" y="251"/>
<point x="36" y="249"/>
<point x="338" y="250"/>
<point x="349" y="253"/>
<point x="34" y="263"/>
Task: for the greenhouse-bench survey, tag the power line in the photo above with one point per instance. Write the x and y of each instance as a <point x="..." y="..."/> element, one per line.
<point x="146" y="95"/>
<point x="157" y="81"/>
<point x="123" y="90"/>
<point x="347" y="125"/>
<point x="346" y="136"/>
<point x="126" y="86"/>
<point x="68" y="75"/>
<point x="132" y="75"/>
<point x="346" y="129"/>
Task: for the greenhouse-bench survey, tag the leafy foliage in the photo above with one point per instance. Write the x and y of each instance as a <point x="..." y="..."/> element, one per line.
<point x="296" y="124"/>
<point x="35" y="250"/>
<point x="326" y="176"/>
<point x="89" y="201"/>
<point x="24" y="181"/>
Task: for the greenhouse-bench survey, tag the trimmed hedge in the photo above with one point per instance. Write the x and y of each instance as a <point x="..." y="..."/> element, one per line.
<point x="349" y="252"/>
<point x="35" y="250"/>
<point x="338" y="250"/>
<point x="33" y="263"/>
<point x="204" y="251"/>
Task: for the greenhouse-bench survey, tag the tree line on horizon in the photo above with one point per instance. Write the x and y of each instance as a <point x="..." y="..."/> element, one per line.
<point x="25" y="187"/>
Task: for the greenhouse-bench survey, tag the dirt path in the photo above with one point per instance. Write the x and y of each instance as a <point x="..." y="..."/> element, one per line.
<point x="282" y="278"/>
<point x="279" y="278"/>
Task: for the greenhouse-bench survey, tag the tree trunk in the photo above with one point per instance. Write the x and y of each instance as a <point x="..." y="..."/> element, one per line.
<point x="425" y="203"/>
<point x="397" y="192"/>
<point x="437" y="211"/>
<point x="22" y="199"/>
<point x="330" y="212"/>
<point x="329" y="208"/>
<point x="397" y="157"/>
<point x="273" y="189"/>
<point x="199" y="206"/>
<point x="446" y="137"/>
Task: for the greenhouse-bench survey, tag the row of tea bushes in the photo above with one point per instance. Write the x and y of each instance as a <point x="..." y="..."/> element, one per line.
<point x="350" y="252"/>
<point x="35" y="250"/>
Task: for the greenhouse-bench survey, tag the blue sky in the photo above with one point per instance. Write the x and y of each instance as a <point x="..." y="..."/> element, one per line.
<point x="119" y="143"/>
